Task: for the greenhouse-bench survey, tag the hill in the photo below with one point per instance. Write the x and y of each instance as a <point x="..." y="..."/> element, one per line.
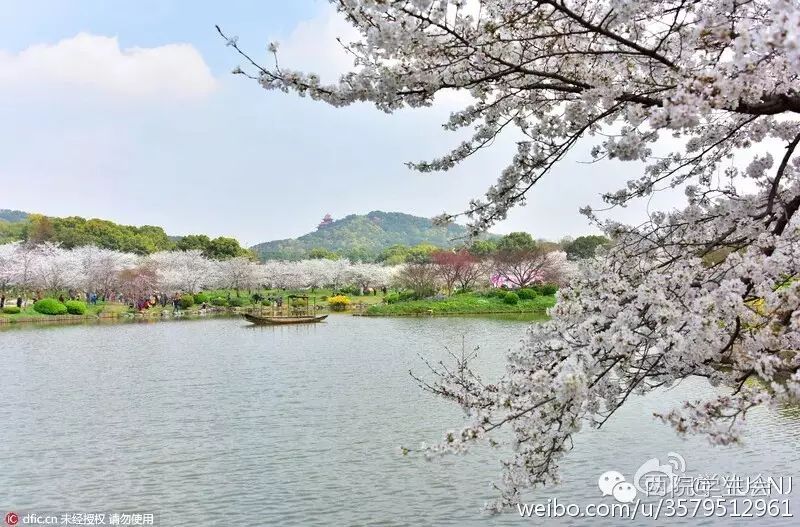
<point x="13" y="216"/>
<point x="12" y="225"/>
<point x="75" y="231"/>
<point x="363" y="236"/>
<point x="357" y="236"/>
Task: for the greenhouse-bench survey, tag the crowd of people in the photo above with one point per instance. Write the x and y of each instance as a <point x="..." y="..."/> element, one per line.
<point x="162" y="299"/>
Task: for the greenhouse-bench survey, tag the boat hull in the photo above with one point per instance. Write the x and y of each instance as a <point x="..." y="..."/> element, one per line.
<point x="269" y="320"/>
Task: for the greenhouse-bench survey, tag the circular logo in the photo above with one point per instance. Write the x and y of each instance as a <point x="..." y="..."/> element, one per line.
<point x="12" y="518"/>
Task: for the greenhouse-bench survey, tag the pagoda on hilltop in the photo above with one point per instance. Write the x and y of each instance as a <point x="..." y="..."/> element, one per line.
<point x="327" y="220"/>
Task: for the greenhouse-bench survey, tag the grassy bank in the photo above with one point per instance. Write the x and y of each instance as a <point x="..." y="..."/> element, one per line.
<point x="371" y="305"/>
<point x="101" y="309"/>
<point x="465" y="304"/>
<point x="232" y="304"/>
<point x="318" y="296"/>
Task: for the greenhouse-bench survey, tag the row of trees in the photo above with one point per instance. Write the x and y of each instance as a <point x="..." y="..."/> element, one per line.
<point x="465" y="270"/>
<point x="49" y="267"/>
<point x="75" y="231"/>
<point x="575" y="249"/>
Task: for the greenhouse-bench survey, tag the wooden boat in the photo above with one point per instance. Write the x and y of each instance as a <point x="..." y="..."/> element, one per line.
<point x="266" y="319"/>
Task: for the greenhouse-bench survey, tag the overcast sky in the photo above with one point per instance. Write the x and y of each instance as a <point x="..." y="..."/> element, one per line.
<point x="128" y="111"/>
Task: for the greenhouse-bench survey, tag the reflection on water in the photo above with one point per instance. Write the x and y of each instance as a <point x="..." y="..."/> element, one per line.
<point x="215" y="423"/>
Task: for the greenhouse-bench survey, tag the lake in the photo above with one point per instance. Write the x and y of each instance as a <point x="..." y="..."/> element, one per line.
<point x="212" y="422"/>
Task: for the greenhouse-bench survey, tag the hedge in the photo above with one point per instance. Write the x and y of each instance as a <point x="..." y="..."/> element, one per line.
<point x="50" y="306"/>
<point x="511" y="299"/>
<point x="75" y="307"/>
<point x="527" y="294"/>
<point x="546" y="289"/>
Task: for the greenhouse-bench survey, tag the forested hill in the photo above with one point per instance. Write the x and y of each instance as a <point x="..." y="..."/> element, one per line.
<point x="75" y="231"/>
<point x="363" y="236"/>
<point x="12" y="216"/>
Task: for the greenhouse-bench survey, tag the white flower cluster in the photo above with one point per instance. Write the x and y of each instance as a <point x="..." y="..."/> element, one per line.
<point x="714" y="75"/>
<point x="712" y="290"/>
<point x="48" y="267"/>
<point x="662" y="304"/>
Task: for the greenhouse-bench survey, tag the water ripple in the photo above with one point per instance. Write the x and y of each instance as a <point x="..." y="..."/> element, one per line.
<point x="212" y="423"/>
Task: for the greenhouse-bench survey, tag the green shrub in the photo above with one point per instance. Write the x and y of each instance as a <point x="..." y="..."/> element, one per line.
<point x="235" y="301"/>
<point x="50" y="306"/>
<point x="546" y="289"/>
<point x="497" y="292"/>
<point x="527" y="294"/>
<point x="186" y="301"/>
<point x="338" y="303"/>
<point x="219" y="301"/>
<point x="392" y="298"/>
<point x="11" y="310"/>
<point x="75" y="307"/>
<point x="406" y="295"/>
<point x="201" y="298"/>
<point x="511" y="298"/>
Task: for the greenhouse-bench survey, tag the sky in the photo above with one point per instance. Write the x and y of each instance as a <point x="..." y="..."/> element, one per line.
<point x="127" y="111"/>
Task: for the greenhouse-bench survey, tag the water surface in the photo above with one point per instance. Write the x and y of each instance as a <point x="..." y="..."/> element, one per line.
<point x="211" y="422"/>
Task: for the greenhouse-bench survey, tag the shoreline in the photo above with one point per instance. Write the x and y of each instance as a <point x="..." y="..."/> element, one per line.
<point x="542" y="313"/>
<point x="55" y="320"/>
<point x="58" y="318"/>
<point x="117" y="316"/>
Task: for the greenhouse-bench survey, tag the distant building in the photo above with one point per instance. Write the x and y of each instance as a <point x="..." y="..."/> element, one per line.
<point x="327" y="220"/>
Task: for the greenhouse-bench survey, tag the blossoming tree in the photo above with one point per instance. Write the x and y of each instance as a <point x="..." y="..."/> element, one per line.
<point x="184" y="270"/>
<point x="673" y="297"/>
<point x="523" y="267"/>
<point x="458" y="269"/>
<point x="52" y="269"/>
<point x="8" y="267"/>
<point x="98" y="268"/>
<point x="238" y="273"/>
